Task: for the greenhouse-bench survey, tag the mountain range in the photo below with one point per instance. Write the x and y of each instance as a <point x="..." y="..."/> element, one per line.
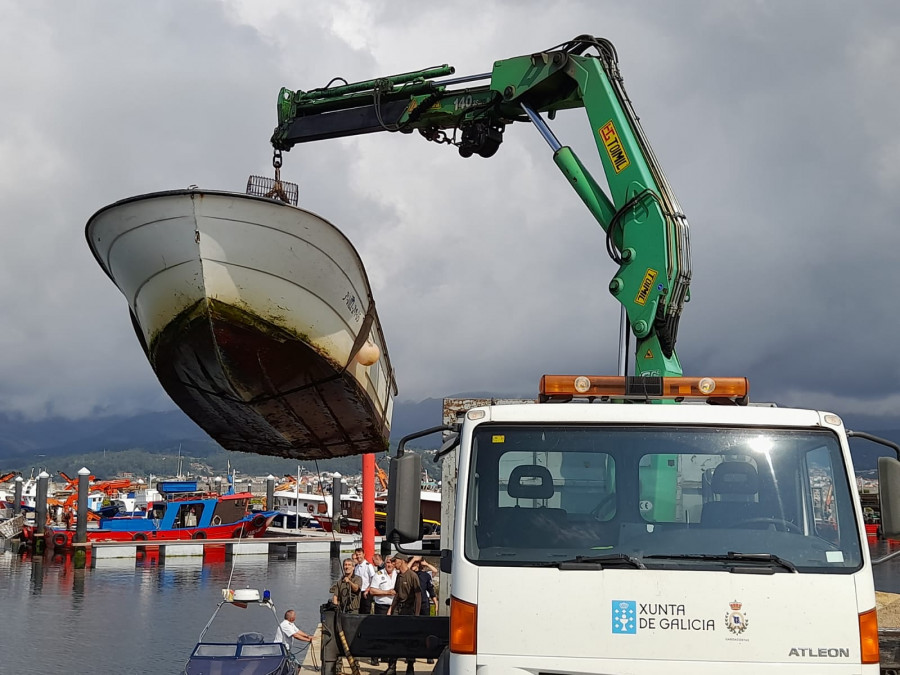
<point x="154" y="442"/>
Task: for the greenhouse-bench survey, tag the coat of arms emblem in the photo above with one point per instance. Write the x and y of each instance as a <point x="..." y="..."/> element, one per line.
<point x="735" y="619"/>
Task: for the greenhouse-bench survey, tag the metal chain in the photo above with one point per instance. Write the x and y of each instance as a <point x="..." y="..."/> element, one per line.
<point x="439" y="136"/>
<point x="277" y="190"/>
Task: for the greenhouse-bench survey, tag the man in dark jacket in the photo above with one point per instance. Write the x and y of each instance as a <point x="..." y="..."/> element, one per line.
<point x="407" y="602"/>
<point x="346" y="590"/>
<point x="425" y="572"/>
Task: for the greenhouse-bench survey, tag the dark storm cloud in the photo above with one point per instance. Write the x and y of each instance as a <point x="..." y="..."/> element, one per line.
<point x="775" y="122"/>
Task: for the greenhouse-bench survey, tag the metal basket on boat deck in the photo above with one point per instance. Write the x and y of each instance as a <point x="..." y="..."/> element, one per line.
<point x="260" y="186"/>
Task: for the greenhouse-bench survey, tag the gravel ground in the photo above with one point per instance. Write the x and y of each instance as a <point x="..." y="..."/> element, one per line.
<point x="888" y="605"/>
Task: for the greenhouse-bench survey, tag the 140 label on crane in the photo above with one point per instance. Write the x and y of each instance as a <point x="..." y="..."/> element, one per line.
<point x="613" y="145"/>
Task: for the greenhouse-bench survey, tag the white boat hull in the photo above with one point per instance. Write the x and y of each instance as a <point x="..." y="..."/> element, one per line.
<point x="257" y="318"/>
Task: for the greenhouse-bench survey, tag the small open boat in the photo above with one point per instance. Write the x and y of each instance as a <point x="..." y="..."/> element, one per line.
<point x="252" y="653"/>
<point x="257" y="318"/>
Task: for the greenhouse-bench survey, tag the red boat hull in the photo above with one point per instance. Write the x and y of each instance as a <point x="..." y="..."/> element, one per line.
<point x="252" y="529"/>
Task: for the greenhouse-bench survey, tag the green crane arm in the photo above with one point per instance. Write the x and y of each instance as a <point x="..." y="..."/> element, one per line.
<point x="647" y="235"/>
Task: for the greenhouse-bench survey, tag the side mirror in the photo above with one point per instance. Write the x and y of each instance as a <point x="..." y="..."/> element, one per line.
<point x="404" y="508"/>
<point x="889" y="496"/>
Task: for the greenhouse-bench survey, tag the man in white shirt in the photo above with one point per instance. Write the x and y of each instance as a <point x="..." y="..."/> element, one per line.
<point x="365" y="571"/>
<point x="382" y="587"/>
<point x="287" y="631"/>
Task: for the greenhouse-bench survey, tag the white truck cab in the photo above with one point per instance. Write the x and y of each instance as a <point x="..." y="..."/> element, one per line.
<point x="633" y="538"/>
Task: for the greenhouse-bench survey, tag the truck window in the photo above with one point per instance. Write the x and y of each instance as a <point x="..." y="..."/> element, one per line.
<point x="544" y="493"/>
<point x="820" y="473"/>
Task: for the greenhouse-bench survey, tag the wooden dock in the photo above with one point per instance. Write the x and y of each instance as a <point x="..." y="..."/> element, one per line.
<point x="213" y="550"/>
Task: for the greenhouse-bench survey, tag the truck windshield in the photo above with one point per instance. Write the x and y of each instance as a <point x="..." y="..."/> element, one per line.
<point x="671" y="497"/>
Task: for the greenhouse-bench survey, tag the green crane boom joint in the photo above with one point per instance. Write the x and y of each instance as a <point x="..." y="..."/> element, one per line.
<point x="647" y="235"/>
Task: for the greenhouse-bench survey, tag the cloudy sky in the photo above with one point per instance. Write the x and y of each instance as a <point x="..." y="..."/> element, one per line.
<point x="776" y="123"/>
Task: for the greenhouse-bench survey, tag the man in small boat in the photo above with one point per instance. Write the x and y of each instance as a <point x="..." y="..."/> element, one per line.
<point x="346" y="591"/>
<point x="288" y="632"/>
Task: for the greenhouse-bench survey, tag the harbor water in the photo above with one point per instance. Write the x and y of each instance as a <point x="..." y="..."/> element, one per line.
<point x="128" y="618"/>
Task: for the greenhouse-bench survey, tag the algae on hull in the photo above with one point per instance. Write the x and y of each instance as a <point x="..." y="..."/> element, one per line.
<point x="257" y="387"/>
<point x="231" y="313"/>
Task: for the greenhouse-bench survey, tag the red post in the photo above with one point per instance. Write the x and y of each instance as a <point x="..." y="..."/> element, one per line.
<point x="368" y="511"/>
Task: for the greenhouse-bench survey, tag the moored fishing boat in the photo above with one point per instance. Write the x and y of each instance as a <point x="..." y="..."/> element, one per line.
<point x="350" y="521"/>
<point x="201" y="517"/>
<point x="257" y="318"/>
<point x="299" y="509"/>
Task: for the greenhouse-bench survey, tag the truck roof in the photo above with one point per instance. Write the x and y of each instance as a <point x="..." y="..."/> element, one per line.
<point x="659" y="414"/>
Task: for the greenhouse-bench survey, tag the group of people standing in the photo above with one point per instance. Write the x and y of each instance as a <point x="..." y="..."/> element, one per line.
<point x="392" y="585"/>
<point x="397" y="585"/>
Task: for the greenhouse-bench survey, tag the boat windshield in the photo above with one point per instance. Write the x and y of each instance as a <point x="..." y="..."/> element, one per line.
<point x="661" y="497"/>
<point x="215" y="650"/>
<point x="262" y="650"/>
<point x="218" y="650"/>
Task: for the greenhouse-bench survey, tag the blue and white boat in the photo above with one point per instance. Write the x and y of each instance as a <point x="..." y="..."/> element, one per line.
<point x="184" y="514"/>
